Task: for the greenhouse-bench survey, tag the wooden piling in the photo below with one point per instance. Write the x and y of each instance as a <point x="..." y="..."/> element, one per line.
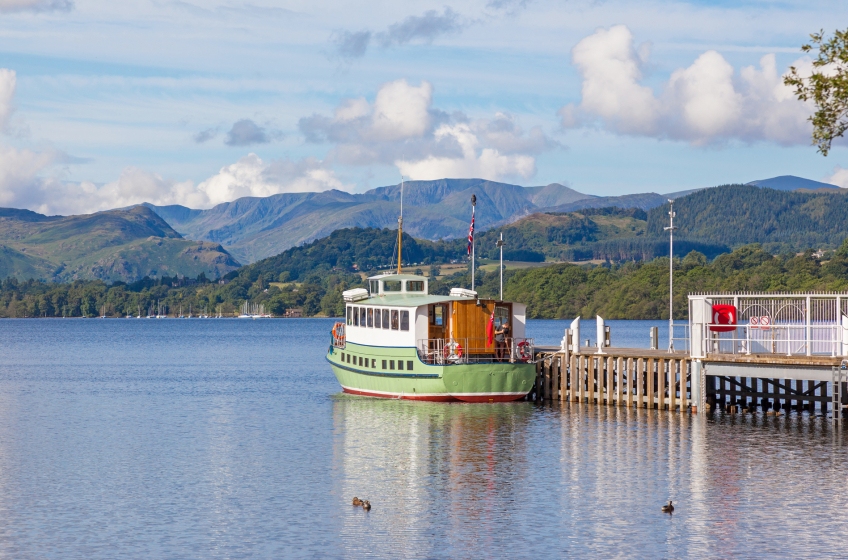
<point x="619" y="380"/>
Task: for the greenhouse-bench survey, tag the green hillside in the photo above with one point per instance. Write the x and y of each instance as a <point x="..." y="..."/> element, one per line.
<point x="612" y="234"/>
<point x="117" y="245"/>
<point x="736" y="215"/>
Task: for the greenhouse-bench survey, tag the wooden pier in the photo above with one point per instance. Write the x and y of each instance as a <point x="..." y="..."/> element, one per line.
<point x="743" y="352"/>
<point x="657" y="379"/>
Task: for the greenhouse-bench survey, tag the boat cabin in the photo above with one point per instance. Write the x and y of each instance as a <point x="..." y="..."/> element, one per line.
<point x="397" y="310"/>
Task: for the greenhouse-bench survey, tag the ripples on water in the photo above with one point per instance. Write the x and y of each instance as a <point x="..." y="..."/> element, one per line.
<point x="229" y="438"/>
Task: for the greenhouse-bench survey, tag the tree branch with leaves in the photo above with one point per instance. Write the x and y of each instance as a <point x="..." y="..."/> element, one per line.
<point x="826" y="87"/>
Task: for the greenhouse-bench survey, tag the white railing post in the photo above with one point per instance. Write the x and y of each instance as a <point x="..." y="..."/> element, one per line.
<point x="809" y="329"/>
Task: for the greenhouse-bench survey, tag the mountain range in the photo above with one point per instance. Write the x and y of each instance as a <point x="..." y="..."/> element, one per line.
<point x="552" y="221"/>
<point x="255" y="228"/>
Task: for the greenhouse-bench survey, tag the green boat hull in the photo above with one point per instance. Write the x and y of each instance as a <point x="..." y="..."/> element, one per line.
<point x="399" y="373"/>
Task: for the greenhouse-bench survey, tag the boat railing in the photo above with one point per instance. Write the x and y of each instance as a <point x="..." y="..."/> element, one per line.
<point x="451" y="351"/>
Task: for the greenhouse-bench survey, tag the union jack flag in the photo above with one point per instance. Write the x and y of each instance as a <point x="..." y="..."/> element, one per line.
<point x="471" y="231"/>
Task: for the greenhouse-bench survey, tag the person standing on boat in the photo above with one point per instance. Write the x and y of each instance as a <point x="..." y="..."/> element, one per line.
<point x="501" y="336"/>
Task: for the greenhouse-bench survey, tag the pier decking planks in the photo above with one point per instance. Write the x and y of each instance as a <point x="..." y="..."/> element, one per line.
<point x="656" y="379"/>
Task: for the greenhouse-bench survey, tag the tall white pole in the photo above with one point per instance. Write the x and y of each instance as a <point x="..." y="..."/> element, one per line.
<point x="670" y="229"/>
<point x="501" y="244"/>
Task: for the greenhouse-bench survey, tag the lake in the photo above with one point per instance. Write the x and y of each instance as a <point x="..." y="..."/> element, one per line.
<point x="231" y="439"/>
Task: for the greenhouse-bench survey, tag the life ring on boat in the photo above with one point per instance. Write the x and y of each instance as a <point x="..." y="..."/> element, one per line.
<point x="339" y="333"/>
<point x="524" y="352"/>
<point x="453" y="351"/>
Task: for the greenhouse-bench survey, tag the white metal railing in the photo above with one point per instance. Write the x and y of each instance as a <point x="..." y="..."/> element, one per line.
<point x="680" y="336"/>
<point x="788" y="339"/>
<point x="451" y="351"/>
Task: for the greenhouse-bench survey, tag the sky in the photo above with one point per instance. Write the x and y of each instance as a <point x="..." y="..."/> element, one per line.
<point x="106" y="104"/>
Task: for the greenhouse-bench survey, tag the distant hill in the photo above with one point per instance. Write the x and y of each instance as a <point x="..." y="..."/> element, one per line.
<point x="613" y="234"/>
<point x="791" y="183"/>
<point x="255" y="228"/>
<point x="737" y="215"/>
<point x="116" y="245"/>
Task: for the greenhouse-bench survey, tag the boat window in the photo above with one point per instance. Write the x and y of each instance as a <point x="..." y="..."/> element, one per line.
<point x="391" y="364"/>
<point x="400" y="364"/>
<point x="355" y="317"/>
<point x="374" y="364"/>
<point x="375" y="287"/>
<point x="385" y="318"/>
<point x="349" y="316"/>
<point x="409" y="365"/>
<point x="438" y="317"/>
<point x="377" y="318"/>
<point x="394" y="320"/>
<point x="370" y="317"/>
<point x="384" y="364"/>
<point x="342" y="356"/>
<point x="391" y="285"/>
<point x="361" y="316"/>
<point x="501" y="316"/>
<point x="415" y="286"/>
<point x="404" y="320"/>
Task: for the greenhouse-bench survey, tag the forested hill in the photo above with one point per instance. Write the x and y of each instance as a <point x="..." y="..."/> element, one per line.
<point x="736" y="215"/>
<point x="350" y="249"/>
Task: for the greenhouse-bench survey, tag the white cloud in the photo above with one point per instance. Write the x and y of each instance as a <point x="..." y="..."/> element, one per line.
<point x="8" y="79"/>
<point x="401" y="111"/>
<point x="29" y="178"/>
<point x="250" y="176"/>
<point x="401" y="127"/>
<point x="27" y="181"/>
<point x="838" y="177"/>
<point x="487" y="163"/>
<point x="704" y="103"/>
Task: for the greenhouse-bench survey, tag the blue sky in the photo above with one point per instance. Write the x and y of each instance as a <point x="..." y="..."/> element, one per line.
<point x="107" y="104"/>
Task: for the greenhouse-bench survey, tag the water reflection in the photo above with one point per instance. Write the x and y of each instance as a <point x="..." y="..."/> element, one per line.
<point x="433" y="472"/>
<point x="571" y="479"/>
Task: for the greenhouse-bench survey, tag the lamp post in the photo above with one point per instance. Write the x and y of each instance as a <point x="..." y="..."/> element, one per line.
<point x="500" y="244"/>
<point x="670" y="229"/>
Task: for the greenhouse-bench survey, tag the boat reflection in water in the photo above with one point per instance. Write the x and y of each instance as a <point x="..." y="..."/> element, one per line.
<point x="448" y="471"/>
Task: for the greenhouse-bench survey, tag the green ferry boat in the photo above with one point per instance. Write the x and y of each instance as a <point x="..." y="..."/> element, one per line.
<point x="398" y="341"/>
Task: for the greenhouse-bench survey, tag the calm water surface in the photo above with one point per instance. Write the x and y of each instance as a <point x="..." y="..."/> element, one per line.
<point x="230" y="439"/>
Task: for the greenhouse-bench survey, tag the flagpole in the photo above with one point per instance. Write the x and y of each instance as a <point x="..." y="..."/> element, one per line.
<point x="473" y="205"/>
<point x="501" y="244"/>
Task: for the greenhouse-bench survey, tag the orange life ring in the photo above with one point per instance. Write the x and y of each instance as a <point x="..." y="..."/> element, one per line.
<point x="338" y="332"/>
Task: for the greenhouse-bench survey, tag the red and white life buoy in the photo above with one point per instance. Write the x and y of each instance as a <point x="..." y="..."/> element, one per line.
<point x="452" y="351"/>
<point x="724" y="318"/>
<point x="524" y="351"/>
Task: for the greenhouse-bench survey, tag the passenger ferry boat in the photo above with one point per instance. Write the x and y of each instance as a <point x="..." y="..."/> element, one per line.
<point x="398" y="341"/>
